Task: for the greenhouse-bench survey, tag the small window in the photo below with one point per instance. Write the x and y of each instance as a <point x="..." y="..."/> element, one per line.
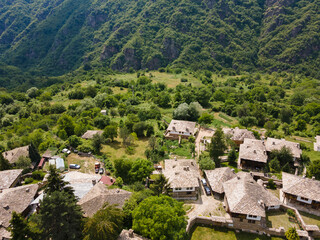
<point x="251" y="221"/>
<point x="241" y="219"/>
<point x="189" y="193"/>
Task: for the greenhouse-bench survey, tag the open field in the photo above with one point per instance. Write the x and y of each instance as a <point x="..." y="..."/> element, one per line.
<point x="116" y="150"/>
<point x="276" y="219"/>
<point x="209" y="233"/>
<point x="86" y="163"/>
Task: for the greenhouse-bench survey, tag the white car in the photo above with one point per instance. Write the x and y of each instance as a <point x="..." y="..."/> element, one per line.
<point x="65" y="150"/>
<point x="204" y="182"/>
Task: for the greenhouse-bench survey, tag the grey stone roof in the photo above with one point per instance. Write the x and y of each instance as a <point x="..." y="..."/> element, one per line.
<point x="277" y="144"/>
<point x="99" y="195"/>
<point x="254" y="150"/>
<point x="81" y="182"/>
<point x="218" y="176"/>
<point x="238" y="134"/>
<point x="181" y="126"/>
<point x="182" y="173"/>
<point x="246" y="196"/>
<point x="90" y="133"/>
<point x="15" y="199"/>
<point x="299" y="186"/>
<point x="13" y="155"/>
<point x="8" y="177"/>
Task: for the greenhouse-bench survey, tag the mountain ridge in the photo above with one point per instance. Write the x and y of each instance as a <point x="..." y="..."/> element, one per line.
<point x="55" y="37"/>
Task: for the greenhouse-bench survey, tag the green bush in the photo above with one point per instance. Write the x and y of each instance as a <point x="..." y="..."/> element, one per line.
<point x="38" y="175"/>
<point x="28" y="180"/>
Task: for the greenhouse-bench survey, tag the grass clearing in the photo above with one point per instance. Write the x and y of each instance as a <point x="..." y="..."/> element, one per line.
<point x="218" y="233"/>
<point x="276" y="219"/>
<point x="86" y="163"/>
<point x="310" y="219"/>
<point x="116" y="149"/>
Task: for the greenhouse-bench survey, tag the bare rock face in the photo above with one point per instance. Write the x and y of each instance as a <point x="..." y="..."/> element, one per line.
<point x="170" y="49"/>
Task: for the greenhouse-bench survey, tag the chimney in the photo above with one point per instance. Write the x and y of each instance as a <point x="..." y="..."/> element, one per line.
<point x="273" y="143"/>
<point x="6" y="207"/>
<point x="111" y="180"/>
<point x="131" y="234"/>
<point x="27" y="190"/>
<point x="254" y="151"/>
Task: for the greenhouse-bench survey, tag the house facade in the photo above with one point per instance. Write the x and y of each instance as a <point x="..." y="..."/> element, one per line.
<point x="301" y="192"/>
<point x="180" y="128"/>
<point x="183" y="176"/>
<point x="247" y="202"/>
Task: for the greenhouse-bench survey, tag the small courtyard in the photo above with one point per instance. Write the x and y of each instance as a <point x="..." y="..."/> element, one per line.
<point x="86" y="163"/>
<point x="276" y="219"/>
<point x="310" y="219"/>
<point x="219" y="233"/>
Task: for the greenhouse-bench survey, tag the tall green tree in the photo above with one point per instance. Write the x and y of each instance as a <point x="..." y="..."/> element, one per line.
<point x="160" y="185"/>
<point x="111" y="132"/>
<point x="65" y="122"/>
<point x="97" y="141"/>
<point x="107" y="223"/>
<point x="56" y="183"/>
<point x="4" y="163"/>
<point x="217" y="146"/>
<point x="19" y="228"/>
<point x="160" y="218"/>
<point x="141" y="168"/>
<point x="60" y="217"/>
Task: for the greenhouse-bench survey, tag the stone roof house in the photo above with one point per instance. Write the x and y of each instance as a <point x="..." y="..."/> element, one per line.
<point x="13" y="155"/>
<point x="247" y="202"/>
<point x="252" y="155"/>
<point x="10" y="178"/>
<point x="215" y="179"/>
<point x="16" y="199"/>
<point x="90" y="133"/>
<point x="277" y="144"/>
<point x="238" y="135"/>
<point x="81" y="182"/>
<point x="301" y="192"/>
<point x="180" y="128"/>
<point x="316" y="145"/>
<point x="99" y="195"/>
<point x="183" y="176"/>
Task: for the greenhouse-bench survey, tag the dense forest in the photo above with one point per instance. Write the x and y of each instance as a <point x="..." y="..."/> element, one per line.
<point x="44" y="37"/>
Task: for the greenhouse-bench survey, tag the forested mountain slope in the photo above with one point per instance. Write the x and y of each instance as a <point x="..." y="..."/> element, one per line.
<point x="57" y="36"/>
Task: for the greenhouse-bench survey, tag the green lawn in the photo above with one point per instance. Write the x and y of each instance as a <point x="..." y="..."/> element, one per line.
<point x="217" y="233"/>
<point x="310" y="219"/>
<point x="116" y="149"/>
<point x="276" y="219"/>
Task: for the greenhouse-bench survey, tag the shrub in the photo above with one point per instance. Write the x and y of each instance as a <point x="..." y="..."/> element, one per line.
<point x="38" y="175"/>
<point x="271" y="184"/>
<point x="291" y="213"/>
<point x="28" y="180"/>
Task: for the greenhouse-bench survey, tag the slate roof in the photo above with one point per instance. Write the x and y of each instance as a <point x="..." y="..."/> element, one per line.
<point x="90" y="133"/>
<point x="217" y="177"/>
<point x="277" y="144"/>
<point x="8" y="177"/>
<point x="253" y="150"/>
<point x="246" y="196"/>
<point x="15" y="199"/>
<point x="81" y="182"/>
<point x="13" y="155"/>
<point x="181" y="126"/>
<point x="182" y="173"/>
<point x="99" y="195"/>
<point x="299" y="186"/>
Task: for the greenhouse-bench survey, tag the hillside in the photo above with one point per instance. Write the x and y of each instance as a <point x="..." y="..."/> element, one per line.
<point x="53" y="37"/>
